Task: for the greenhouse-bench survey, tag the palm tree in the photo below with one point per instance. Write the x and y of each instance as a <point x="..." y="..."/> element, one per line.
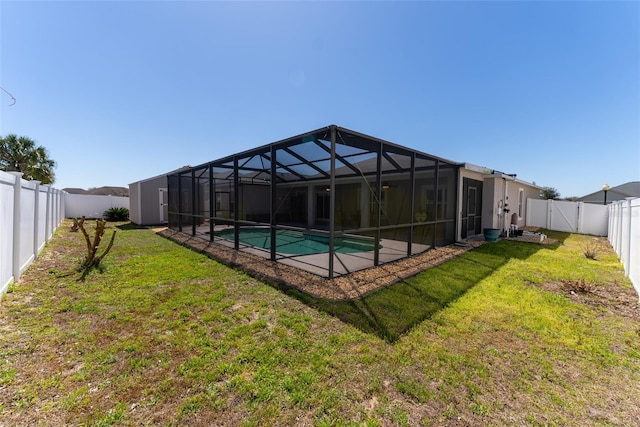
<point x="20" y="154"/>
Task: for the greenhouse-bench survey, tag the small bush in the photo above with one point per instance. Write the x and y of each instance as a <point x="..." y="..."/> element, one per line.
<point x="578" y="286"/>
<point x="590" y="251"/>
<point x="116" y="214"/>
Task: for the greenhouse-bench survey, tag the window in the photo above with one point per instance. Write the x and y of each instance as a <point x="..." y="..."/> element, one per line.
<point x="322" y="206"/>
<point x="520" y="203"/>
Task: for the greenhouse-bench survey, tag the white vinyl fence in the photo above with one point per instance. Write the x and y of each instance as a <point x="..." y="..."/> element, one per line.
<point x="29" y="214"/>
<point x="624" y="236"/>
<point x="92" y="206"/>
<point x="572" y="217"/>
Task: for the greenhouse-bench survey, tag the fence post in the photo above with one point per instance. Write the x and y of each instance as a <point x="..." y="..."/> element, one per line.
<point x="17" y="186"/>
<point x="63" y="207"/>
<point x="56" y="209"/>
<point x="627" y="250"/>
<point x="36" y="218"/>
<point x="549" y="213"/>
<point x="621" y="228"/>
<point x="46" y="217"/>
<point x="580" y="219"/>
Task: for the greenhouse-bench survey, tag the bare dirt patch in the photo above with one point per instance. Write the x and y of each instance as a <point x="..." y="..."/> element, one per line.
<point x="350" y="286"/>
<point x="606" y="298"/>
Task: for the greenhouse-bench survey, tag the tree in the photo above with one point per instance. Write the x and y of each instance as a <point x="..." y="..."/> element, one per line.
<point x="20" y="154"/>
<point x="550" y="193"/>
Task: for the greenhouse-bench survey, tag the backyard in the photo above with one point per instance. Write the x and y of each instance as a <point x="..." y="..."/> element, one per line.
<point x="509" y="333"/>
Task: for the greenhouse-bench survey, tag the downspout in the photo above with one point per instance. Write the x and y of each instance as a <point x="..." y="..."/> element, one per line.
<point x="506" y="178"/>
<point x="505" y="205"/>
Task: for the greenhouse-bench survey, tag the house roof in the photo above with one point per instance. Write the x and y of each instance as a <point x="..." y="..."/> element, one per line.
<point x="100" y="191"/>
<point x="619" y="192"/>
<point x="492" y="173"/>
<point x="162" y="175"/>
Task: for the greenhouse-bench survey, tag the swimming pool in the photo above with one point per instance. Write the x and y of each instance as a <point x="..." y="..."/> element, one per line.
<point x="298" y="243"/>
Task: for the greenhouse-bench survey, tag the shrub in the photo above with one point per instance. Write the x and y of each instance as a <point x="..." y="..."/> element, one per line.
<point x="92" y="260"/>
<point x="590" y="251"/>
<point x="116" y="214"/>
<point x="578" y="286"/>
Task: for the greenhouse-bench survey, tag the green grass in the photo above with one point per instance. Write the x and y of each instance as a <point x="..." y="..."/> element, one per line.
<point x="392" y="311"/>
<point x="165" y="336"/>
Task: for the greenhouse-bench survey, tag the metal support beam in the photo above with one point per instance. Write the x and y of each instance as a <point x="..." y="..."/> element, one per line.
<point x="306" y="162"/>
<point x="180" y="203"/>
<point x="335" y="156"/>
<point x="435" y="195"/>
<point x="274" y="201"/>
<point x="193" y="202"/>
<point x="236" y="203"/>
<point x="393" y="162"/>
<point x="376" y="243"/>
<point x="288" y="169"/>
<point x="412" y="193"/>
<point x="332" y="200"/>
<point x="212" y="203"/>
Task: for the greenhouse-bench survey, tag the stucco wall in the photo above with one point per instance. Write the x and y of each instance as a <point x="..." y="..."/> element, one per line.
<point x="499" y="194"/>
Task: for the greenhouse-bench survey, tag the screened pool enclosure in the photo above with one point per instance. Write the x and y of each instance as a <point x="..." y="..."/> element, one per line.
<point x="330" y="201"/>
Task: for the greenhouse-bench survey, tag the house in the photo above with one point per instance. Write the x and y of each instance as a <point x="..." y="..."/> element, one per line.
<point x="619" y="192"/>
<point x="492" y="199"/>
<point x="332" y="201"/>
<point x="148" y="200"/>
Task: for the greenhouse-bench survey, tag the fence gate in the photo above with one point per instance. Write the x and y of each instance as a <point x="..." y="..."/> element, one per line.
<point x="571" y="217"/>
<point x="565" y="217"/>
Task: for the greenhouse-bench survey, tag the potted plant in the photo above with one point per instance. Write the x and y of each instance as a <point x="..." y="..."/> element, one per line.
<point x="491" y="234"/>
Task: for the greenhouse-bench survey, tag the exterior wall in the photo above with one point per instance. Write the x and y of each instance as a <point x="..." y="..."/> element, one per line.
<point x="502" y="197"/>
<point x="134" y="207"/>
<point x="145" y="200"/>
<point x="529" y="192"/>
<point x="150" y="200"/>
<point x="512" y="193"/>
<point x="491" y="196"/>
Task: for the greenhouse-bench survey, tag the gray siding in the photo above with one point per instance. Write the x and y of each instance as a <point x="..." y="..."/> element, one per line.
<point x="145" y="200"/>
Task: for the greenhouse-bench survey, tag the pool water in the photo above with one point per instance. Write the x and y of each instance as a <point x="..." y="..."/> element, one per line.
<point x="298" y="243"/>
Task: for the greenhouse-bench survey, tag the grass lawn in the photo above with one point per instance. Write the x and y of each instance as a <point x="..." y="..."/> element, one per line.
<point x="509" y="333"/>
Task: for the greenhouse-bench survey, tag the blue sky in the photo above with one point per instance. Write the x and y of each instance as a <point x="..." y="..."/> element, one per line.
<point x="122" y="91"/>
